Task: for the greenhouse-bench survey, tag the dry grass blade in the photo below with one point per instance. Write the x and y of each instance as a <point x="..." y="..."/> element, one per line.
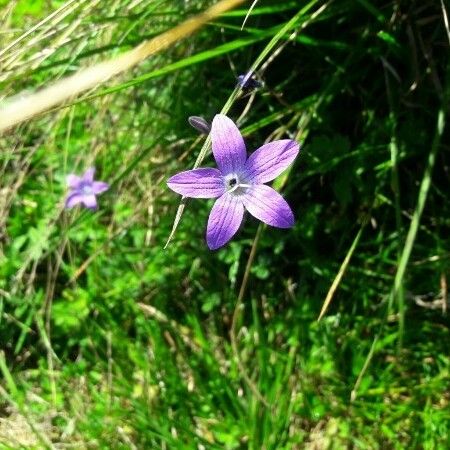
<point x="444" y="13"/>
<point x="17" y="41"/>
<point x="340" y="274"/>
<point x="21" y="108"/>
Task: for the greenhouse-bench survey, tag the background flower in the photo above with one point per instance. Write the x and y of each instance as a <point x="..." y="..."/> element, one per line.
<point x="83" y="190"/>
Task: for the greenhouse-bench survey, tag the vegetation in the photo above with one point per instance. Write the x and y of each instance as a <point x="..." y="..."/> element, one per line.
<point x="110" y="340"/>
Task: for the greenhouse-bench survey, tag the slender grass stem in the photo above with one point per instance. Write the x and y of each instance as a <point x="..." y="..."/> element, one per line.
<point x="421" y="201"/>
<point x="341" y="273"/>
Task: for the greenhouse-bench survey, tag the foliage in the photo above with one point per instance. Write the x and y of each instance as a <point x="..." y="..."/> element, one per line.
<point x="111" y="341"/>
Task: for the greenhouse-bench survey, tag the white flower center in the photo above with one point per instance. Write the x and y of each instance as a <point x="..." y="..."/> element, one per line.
<point x="87" y="189"/>
<point x="235" y="184"/>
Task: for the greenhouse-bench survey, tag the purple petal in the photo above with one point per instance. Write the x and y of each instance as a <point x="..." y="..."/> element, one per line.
<point x="74" y="198"/>
<point x="88" y="176"/>
<point x="269" y="206"/>
<point x="73" y="181"/>
<point x="99" y="187"/>
<point x="198" y="183"/>
<point x="266" y="163"/>
<point x="227" y="144"/>
<point x="224" y="220"/>
<point x="89" y="201"/>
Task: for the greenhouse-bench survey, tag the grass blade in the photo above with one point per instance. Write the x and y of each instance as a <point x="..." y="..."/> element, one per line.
<point x="340" y="274"/>
<point x="17" y="110"/>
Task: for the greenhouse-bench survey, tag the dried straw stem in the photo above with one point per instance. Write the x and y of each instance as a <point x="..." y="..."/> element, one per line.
<point x="20" y="108"/>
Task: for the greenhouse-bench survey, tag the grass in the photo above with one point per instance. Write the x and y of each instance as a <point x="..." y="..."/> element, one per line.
<point x="111" y="341"/>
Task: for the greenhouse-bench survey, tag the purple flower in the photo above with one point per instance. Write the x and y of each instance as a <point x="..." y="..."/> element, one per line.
<point x="238" y="182"/>
<point x="84" y="189"/>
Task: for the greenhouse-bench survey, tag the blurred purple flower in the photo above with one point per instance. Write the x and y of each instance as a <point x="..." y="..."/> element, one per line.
<point x="238" y="182"/>
<point x="84" y="189"/>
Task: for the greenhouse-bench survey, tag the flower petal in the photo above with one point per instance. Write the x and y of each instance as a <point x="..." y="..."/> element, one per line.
<point x="224" y="220"/>
<point x="73" y="181"/>
<point x="269" y="206"/>
<point x="88" y="176"/>
<point x="99" y="187"/>
<point x="227" y="145"/>
<point x="73" y="199"/>
<point x="266" y="163"/>
<point x="198" y="183"/>
<point x="89" y="201"/>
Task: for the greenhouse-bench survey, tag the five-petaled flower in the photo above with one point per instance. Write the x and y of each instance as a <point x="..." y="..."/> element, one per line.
<point x="84" y="189"/>
<point x="238" y="182"/>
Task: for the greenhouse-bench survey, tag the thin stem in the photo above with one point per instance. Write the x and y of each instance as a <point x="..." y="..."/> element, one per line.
<point x="237" y="315"/>
<point x="341" y="273"/>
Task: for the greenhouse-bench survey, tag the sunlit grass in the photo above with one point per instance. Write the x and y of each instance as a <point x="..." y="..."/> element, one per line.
<point x="111" y="341"/>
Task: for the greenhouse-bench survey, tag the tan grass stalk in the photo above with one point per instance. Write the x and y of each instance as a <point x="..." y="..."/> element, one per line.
<point x="340" y="274"/>
<point x="22" y="107"/>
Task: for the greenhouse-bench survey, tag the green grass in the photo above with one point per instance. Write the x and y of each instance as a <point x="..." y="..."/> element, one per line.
<point x="111" y="341"/>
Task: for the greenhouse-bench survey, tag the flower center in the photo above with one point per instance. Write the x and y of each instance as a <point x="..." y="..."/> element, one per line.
<point x="86" y="189"/>
<point x="235" y="184"/>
